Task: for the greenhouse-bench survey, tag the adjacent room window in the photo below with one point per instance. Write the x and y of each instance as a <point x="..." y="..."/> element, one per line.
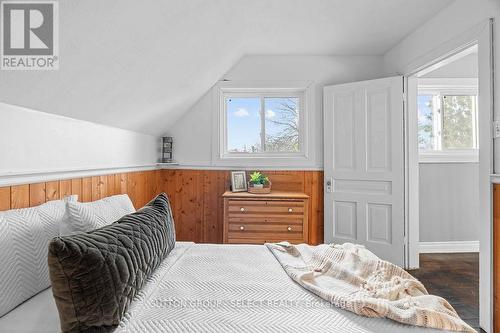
<point x="447" y="123"/>
<point x="263" y="124"/>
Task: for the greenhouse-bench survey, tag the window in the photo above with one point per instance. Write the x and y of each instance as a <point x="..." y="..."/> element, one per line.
<point x="263" y="124"/>
<point x="447" y="123"/>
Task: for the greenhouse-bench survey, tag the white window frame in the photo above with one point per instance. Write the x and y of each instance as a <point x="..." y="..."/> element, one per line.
<point x="234" y="89"/>
<point x="449" y="86"/>
<point x="262" y="95"/>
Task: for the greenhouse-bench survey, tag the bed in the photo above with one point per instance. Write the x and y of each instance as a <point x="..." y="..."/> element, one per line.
<point x="216" y="288"/>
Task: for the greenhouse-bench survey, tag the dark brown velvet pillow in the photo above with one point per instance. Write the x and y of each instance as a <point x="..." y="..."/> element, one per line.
<point x="95" y="275"/>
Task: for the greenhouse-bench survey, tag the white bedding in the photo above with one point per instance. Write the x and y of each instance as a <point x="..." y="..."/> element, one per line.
<point x="216" y="288"/>
<point x="238" y="288"/>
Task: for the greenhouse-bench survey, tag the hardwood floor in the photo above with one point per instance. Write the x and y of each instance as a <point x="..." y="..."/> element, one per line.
<point x="455" y="277"/>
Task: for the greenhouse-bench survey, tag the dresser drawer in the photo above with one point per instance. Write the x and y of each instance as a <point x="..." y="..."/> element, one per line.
<point x="242" y="218"/>
<point x="270" y="239"/>
<point x="240" y="207"/>
<point x="266" y="231"/>
<point x="251" y="228"/>
<point x="258" y="233"/>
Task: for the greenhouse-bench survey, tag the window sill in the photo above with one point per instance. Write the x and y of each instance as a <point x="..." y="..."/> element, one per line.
<point x="263" y="156"/>
<point x="264" y="161"/>
<point x="462" y="156"/>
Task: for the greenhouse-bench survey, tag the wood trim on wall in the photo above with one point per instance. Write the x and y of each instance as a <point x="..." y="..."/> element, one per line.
<point x="31" y="177"/>
<point x="496" y="257"/>
<point x="195" y="195"/>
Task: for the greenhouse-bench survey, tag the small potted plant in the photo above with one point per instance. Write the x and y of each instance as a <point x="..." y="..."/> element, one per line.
<point x="259" y="183"/>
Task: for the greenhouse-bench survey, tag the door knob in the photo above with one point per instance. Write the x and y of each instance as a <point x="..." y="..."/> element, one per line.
<point x="329" y="185"/>
<point x="242" y="228"/>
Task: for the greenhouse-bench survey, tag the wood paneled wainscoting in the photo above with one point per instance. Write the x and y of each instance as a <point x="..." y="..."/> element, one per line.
<point x="195" y="195"/>
<point x="496" y="257"/>
<point x="198" y="206"/>
<point x="140" y="186"/>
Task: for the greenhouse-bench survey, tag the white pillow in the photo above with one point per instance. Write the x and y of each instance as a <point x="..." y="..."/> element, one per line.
<point x="24" y="237"/>
<point x="87" y="216"/>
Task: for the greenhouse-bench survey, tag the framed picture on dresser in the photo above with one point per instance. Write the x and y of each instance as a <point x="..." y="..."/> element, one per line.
<point x="238" y="181"/>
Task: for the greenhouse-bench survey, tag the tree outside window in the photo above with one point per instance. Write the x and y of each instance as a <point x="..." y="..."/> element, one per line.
<point x="447" y="122"/>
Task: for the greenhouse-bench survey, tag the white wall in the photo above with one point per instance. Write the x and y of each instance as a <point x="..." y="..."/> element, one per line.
<point x="33" y="142"/>
<point x="449" y="192"/>
<point x="449" y="202"/>
<point x="192" y="133"/>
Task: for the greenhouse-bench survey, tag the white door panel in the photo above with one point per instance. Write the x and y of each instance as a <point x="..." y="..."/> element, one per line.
<point x="364" y="162"/>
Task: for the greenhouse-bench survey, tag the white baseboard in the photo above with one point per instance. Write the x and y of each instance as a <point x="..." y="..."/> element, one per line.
<point x="449" y="247"/>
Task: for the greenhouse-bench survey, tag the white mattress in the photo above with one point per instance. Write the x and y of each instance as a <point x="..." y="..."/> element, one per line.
<point x="36" y="315"/>
<point x="216" y="288"/>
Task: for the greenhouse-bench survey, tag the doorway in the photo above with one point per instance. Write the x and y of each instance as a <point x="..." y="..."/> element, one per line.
<point x="444" y="99"/>
<point x="479" y="37"/>
<point x="448" y="154"/>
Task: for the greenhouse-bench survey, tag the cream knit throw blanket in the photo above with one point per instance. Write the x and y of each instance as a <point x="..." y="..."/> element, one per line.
<point x="352" y="278"/>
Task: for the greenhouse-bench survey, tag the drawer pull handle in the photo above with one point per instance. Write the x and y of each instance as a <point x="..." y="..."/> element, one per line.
<point x="242" y="209"/>
<point x="290" y="210"/>
<point x="242" y="228"/>
<point x="289" y="228"/>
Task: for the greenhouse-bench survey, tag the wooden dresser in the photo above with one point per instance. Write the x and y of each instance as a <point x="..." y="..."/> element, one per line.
<point x="260" y="218"/>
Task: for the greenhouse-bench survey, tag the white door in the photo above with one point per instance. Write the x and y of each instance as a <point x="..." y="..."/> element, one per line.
<point x="364" y="166"/>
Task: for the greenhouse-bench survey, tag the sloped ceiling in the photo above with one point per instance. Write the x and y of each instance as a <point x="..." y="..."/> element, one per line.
<point x="466" y="67"/>
<point x="140" y="64"/>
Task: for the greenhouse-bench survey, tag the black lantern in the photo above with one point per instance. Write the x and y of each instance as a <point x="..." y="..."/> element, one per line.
<point x="166" y="152"/>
